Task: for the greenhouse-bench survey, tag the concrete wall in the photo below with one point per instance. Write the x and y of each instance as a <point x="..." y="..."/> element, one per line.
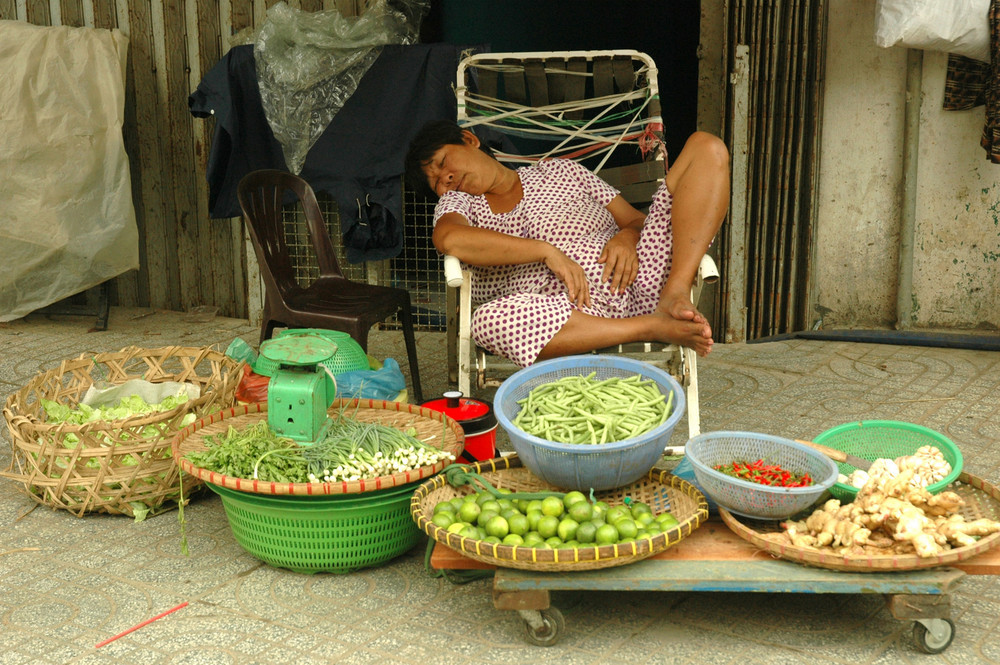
<point x="858" y="223"/>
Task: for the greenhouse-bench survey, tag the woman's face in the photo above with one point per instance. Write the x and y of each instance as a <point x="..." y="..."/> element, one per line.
<point x="464" y="168"/>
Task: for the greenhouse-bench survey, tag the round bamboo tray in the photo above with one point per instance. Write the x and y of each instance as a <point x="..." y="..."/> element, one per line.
<point x="982" y="500"/>
<point x="114" y="466"/>
<point x="658" y="489"/>
<point x="446" y="431"/>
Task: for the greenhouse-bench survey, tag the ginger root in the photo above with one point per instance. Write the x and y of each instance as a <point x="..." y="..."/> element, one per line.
<point x="891" y="514"/>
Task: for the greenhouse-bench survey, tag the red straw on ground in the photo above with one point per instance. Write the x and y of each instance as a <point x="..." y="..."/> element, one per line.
<point x="138" y="626"/>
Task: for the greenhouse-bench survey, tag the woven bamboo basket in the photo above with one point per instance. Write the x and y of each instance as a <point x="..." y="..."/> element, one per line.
<point x="434" y="427"/>
<point x="116" y="466"/>
<point x="981" y="500"/>
<point x="660" y="489"/>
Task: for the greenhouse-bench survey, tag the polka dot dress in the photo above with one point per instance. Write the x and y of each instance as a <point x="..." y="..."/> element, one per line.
<point x="564" y="204"/>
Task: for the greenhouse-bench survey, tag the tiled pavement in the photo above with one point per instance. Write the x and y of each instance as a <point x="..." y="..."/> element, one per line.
<point x="68" y="583"/>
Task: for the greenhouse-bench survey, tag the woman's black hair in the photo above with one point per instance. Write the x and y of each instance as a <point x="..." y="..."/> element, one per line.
<point x="431" y="138"/>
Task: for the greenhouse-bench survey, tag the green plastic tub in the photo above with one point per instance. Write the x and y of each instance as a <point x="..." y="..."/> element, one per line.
<point x="872" y="439"/>
<point x="313" y="534"/>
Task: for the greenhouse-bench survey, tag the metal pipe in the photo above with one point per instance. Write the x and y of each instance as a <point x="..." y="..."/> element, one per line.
<point x="911" y="145"/>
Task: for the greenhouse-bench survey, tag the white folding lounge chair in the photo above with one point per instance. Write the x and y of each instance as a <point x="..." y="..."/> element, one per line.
<point x="598" y="107"/>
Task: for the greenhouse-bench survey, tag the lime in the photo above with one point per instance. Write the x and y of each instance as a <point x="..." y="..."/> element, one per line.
<point x="469" y="531"/>
<point x="493" y="540"/>
<point x="532" y="539"/>
<point x="518" y="524"/>
<point x="483" y="497"/>
<point x="573" y="497"/>
<point x="565" y="546"/>
<point x="616" y="513"/>
<point x="508" y="513"/>
<point x="606" y="535"/>
<point x="505" y="490"/>
<point x="567" y="528"/>
<point x="513" y="540"/>
<point x="457" y="502"/>
<point x="469" y="511"/>
<point x="443" y="519"/>
<point x="653" y="528"/>
<point x="626" y="528"/>
<point x="666" y="521"/>
<point x="600" y="508"/>
<point x="522" y="505"/>
<point x="497" y="526"/>
<point x="642" y="519"/>
<point x="485" y="516"/>
<point x="533" y="504"/>
<point x="581" y="511"/>
<point x="491" y="505"/>
<point x="598" y="521"/>
<point x="444" y="505"/>
<point x="455" y="527"/>
<point x="552" y="505"/>
<point x="505" y="504"/>
<point x="586" y="532"/>
<point x="639" y="507"/>
<point x="533" y="517"/>
<point x="548" y="526"/>
<point x="553" y="541"/>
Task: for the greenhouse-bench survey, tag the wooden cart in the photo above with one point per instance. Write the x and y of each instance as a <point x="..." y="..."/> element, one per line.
<point x="713" y="558"/>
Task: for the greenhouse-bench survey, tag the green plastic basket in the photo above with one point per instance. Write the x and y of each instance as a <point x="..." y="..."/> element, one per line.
<point x="872" y="439"/>
<point x="313" y="534"/>
<point x="349" y="357"/>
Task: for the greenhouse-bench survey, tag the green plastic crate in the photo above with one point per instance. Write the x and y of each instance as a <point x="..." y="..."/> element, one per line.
<point x="872" y="439"/>
<point x="313" y="534"/>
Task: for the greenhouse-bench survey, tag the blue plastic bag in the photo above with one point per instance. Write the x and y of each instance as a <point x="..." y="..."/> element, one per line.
<point x="385" y="383"/>
<point x="685" y="470"/>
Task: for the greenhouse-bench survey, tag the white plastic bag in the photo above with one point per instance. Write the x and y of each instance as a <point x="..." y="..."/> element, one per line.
<point x="952" y="26"/>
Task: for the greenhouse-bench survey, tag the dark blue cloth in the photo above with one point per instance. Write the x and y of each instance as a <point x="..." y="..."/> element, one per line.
<point x="359" y="157"/>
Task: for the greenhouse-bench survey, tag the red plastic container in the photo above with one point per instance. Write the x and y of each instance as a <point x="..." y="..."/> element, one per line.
<point x="477" y="420"/>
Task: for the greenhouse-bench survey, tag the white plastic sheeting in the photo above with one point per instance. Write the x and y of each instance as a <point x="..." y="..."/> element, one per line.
<point x="66" y="216"/>
<point x="955" y="26"/>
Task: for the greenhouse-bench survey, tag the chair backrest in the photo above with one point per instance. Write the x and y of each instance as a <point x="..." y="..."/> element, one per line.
<point x="263" y="196"/>
<point x="600" y="108"/>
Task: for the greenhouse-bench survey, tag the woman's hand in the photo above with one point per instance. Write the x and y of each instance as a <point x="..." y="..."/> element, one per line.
<point x="571" y="274"/>
<point x="621" y="262"/>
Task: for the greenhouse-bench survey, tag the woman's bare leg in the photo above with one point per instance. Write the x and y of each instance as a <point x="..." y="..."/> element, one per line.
<point x="699" y="183"/>
<point x="584" y="333"/>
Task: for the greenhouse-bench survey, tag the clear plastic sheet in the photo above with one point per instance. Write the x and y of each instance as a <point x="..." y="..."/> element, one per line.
<point x="309" y="64"/>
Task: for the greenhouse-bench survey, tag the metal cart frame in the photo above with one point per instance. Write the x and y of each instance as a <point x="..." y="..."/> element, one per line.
<point x="713" y="558"/>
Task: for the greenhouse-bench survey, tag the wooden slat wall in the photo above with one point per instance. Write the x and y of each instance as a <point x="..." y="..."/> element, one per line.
<point x="186" y="258"/>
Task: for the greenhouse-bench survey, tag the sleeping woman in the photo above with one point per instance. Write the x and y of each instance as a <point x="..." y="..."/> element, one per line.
<point x="561" y="262"/>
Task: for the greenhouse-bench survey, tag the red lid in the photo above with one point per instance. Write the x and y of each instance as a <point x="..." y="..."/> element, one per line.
<point x="474" y="415"/>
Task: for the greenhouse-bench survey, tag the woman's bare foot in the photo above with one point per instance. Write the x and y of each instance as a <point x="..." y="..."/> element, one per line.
<point x="681" y="308"/>
<point x="693" y="334"/>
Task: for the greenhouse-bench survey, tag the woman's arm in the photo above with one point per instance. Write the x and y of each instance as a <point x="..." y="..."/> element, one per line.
<point x="621" y="262"/>
<point x="484" y="247"/>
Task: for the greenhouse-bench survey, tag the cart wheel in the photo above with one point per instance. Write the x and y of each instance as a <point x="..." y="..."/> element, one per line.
<point x="933" y="635"/>
<point x="543" y="628"/>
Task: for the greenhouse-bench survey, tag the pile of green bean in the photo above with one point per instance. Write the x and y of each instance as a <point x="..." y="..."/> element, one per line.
<point x="583" y="409"/>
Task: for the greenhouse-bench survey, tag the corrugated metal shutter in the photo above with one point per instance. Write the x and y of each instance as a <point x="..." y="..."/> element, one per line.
<point x="775" y="53"/>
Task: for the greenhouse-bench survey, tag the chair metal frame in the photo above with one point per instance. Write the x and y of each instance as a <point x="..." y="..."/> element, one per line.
<point x="533" y="75"/>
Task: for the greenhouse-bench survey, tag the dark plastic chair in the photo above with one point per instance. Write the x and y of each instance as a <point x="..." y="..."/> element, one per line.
<point x="332" y="302"/>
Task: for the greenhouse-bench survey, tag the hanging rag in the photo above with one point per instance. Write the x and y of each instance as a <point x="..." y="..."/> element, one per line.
<point x="970" y="83"/>
<point x="359" y="156"/>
